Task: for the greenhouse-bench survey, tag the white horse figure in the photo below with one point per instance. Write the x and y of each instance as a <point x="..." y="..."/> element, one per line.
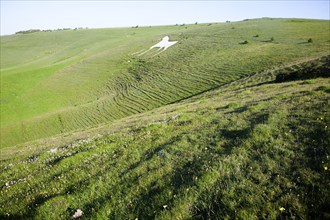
<point x="164" y="44"/>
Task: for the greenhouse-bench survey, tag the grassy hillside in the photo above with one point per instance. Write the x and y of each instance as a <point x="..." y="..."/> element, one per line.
<point x="63" y="81"/>
<point x="251" y="149"/>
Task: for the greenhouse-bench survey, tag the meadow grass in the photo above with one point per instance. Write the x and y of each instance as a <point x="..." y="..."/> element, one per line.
<point x="250" y="149"/>
<point x="205" y="130"/>
<point x="63" y="81"/>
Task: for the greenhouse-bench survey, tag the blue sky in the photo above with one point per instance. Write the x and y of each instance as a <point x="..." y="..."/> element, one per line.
<point x="24" y="15"/>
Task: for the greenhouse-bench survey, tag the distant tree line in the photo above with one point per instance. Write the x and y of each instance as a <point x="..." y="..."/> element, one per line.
<point x="28" y="31"/>
<point x="48" y="30"/>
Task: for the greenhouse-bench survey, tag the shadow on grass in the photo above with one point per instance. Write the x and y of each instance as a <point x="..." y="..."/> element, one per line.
<point x="188" y="175"/>
<point x="308" y="169"/>
<point x="149" y="204"/>
<point x="148" y="155"/>
<point x="14" y="217"/>
<point x="31" y="210"/>
<point x="305" y="43"/>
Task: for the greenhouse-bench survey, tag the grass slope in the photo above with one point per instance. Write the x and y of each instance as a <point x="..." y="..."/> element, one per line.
<point x="63" y="81"/>
<point x="250" y="149"/>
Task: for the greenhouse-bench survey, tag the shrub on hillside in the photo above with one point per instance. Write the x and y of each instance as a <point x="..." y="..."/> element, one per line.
<point x="309" y="70"/>
<point x="28" y="31"/>
<point x="324" y="89"/>
<point x="138" y="68"/>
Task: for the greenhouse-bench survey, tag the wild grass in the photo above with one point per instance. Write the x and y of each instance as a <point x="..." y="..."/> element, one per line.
<point x="202" y="131"/>
<point x="251" y="149"/>
<point x="58" y="82"/>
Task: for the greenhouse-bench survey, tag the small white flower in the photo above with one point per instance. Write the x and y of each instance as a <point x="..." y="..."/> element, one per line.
<point x="78" y="213"/>
<point x="53" y="150"/>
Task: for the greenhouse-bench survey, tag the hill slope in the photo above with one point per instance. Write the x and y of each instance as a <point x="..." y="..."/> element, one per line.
<point x="64" y="81"/>
<point x="250" y="149"/>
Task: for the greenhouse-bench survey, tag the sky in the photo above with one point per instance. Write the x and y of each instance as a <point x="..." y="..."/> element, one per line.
<point x="52" y="14"/>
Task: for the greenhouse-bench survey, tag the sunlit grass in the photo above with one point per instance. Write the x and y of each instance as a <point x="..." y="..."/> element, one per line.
<point x="203" y="131"/>
<point x="62" y="81"/>
<point x="251" y="149"/>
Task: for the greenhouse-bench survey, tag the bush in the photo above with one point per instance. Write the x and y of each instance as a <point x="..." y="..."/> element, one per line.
<point x="28" y="31"/>
<point x="138" y="68"/>
<point x="324" y="89"/>
<point x="309" y="70"/>
<point x="310" y="40"/>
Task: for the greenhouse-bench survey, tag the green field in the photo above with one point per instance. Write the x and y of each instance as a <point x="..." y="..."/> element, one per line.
<point x="209" y="129"/>
<point x="62" y="81"/>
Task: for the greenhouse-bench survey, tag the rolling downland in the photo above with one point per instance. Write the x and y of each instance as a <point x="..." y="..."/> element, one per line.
<point x="63" y="81"/>
<point x="212" y="128"/>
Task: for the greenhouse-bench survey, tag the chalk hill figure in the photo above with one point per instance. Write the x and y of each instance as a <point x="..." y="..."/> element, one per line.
<point x="163" y="45"/>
